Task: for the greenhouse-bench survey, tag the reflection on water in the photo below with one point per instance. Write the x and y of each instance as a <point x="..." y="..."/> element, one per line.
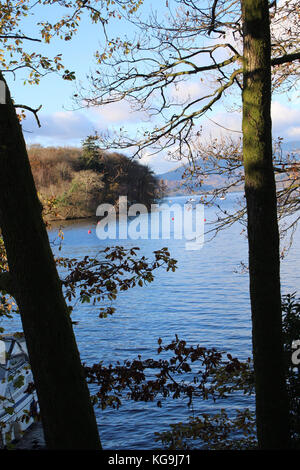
<point x="204" y="302"/>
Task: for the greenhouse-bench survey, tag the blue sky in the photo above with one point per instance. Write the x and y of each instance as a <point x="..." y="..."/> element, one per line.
<point x="64" y="125"/>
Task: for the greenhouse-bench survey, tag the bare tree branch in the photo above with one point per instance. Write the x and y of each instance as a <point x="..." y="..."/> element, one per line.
<point x="34" y="111"/>
<point x="285" y="59"/>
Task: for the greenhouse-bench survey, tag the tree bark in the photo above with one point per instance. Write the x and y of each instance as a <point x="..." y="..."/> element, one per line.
<point x="271" y="397"/>
<point x="67" y="414"/>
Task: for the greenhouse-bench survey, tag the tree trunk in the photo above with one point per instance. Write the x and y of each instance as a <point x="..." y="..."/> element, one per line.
<point x="264" y="265"/>
<point x="67" y="414"/>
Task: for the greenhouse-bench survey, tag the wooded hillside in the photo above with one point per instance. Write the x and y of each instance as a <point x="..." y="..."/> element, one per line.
<point x="78" y="180"/>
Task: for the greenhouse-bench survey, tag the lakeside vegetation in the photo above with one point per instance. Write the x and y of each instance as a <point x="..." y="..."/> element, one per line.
<point x="75" y="181"/>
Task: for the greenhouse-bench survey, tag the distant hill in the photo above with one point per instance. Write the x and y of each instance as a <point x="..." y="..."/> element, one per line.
<point x="173" y="175"/>
<point x="174" y="182"/>
<point x="292" y="146"/>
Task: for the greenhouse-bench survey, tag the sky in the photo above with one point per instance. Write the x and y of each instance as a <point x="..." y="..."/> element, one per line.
<point x="64" y="125"/>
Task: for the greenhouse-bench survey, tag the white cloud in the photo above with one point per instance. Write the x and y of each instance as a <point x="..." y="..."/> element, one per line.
<point x="221" y="124"/>
<point x="285" y="122"/>
<point x="158" y="163"/>
<point x="295" y="132"/>
<point x="147" y="158"/>
<point x="119" y="112"/>
<point x="285" y="119"/>
<point x="70" y="128"/>
<point x="185" y="90"/>
<point x="64" y="127"/>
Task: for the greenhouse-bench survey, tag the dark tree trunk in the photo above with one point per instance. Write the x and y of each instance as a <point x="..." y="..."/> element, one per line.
<point x="264" y="266"/>
<point x="67" y="414"/>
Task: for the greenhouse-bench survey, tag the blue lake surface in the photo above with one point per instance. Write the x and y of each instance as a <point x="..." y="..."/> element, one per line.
<point x="205" y="301"/>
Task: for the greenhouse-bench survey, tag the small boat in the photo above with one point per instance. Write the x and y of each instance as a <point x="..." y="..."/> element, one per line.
<point x="222" y="197"/>
<point x="18" y="405"/>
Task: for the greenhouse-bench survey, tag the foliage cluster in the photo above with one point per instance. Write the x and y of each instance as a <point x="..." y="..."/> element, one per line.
<point x="194" y="373"/>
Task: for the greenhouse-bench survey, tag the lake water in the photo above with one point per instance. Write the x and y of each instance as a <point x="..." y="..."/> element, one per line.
<point x="205" y="301"/>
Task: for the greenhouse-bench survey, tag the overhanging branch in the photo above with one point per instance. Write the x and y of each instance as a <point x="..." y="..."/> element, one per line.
<point x="285" y="58"/>
<point x="34" y="111"/>
<point x="17" y="36"/>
